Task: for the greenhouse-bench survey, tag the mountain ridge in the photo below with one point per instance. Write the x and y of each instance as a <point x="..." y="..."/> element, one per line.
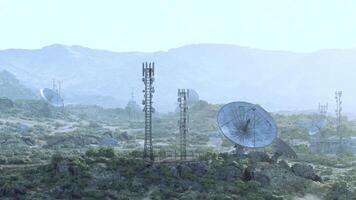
<point x="182" y="46"/>
<point x="219" y="72"/>
<point x="10" y="87"/>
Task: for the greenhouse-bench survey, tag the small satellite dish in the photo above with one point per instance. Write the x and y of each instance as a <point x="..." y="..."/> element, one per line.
<point x="317" y="126"/>
<point x="193" y="96"/>
<point x="247" y="124"/>
<point x="51" y="97"/>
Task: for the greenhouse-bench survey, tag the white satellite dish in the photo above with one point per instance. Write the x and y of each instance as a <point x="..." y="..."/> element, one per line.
<point x="247" y="124"/>
<point x="317" y="126"/>
<point x="193" y="96"/>
<point x="51" y="97"/>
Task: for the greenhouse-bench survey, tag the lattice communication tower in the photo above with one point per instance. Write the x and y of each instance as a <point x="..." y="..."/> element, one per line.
<point x="148" y="71"/>
<point x="183" y="95"/>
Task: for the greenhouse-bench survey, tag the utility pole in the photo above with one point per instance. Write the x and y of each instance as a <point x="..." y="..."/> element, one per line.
<point x="148" y="79"/>
<point x="183" y="95"/>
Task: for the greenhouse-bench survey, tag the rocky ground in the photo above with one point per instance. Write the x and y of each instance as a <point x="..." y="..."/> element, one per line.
<point x="87" y="152"/>
<point x="104" y="174"/>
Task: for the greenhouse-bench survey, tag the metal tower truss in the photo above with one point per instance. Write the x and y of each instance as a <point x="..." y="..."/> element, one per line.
<point x="183" y="95"/>
<point x="148" y="79"/>
<point x="338" y="110"/>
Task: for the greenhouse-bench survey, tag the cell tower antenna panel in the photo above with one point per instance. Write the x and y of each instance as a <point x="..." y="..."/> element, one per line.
<point x="247" y="124"/>
<point x="148" y="79"/>
<point x="323" y="109"/>
<point x="183" y="121"/>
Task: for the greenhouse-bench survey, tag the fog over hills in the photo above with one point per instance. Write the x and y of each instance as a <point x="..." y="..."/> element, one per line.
<point x="278" y="80"/>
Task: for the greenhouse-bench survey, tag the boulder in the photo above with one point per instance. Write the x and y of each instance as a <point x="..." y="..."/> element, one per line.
<point x="275" y="157"/>
<point x="174" y="171"/>
<point x="23" y="129"/>
<point x="28" y="141"/>
<point x="62" y="167"/>
<point x="184" y="171"/>
<point x="250" y="174"/>
<point x="12" y="190"/>
<point x="101" y="176"/>
<point x="263" y="179"/>
<point x="305" y="171"/>
<point x="67" y="191"/>
<point x="184" y="185"/>
<point x="66" y="167"/>
<point x="283" y="164"/>
<point x="124" y="136"/>
<point x="258" y="156"/>
<point x="198" y="168"/>
<point x="339" y="191"/>
<point x="109" y="141"/>
<point x="229" y="173"/>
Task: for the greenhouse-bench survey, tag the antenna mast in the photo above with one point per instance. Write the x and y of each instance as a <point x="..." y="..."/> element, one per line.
<point x="183" y="95"/>
<point x="59" y="87"/>
<point x="148" y="79"/>
<point x="132" y="94"/>
<point x="131" y="105"/>
<point x="338" y="110"/>
<point x="54" y="86"/>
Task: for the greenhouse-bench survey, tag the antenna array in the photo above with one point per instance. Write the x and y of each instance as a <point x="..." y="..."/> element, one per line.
<point x="323" y="109"/>
<point x="57" y="86"/>
<point x="148" y="79"/>
<point x="183" y="95"/>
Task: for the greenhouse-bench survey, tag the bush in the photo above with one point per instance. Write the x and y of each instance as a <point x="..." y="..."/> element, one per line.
<point x="3" y="160"/>
<point x="339" y="191"/>
<point x="101" y="152"/>
<point x="16" y="161"/>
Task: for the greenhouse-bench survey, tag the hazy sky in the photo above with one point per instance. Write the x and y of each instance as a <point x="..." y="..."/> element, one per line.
<point x="151" y="25"/>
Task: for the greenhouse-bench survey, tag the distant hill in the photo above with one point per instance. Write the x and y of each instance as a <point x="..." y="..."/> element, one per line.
<point x="278" y="80"/>
<point x="11" y="88"/>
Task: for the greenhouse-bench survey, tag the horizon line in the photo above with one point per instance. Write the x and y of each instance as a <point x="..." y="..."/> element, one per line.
<point x="173" y="48"/>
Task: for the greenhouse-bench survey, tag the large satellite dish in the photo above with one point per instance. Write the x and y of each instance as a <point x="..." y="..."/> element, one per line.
<point x="247" y="124"/>
<point x="51" y="97"/>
